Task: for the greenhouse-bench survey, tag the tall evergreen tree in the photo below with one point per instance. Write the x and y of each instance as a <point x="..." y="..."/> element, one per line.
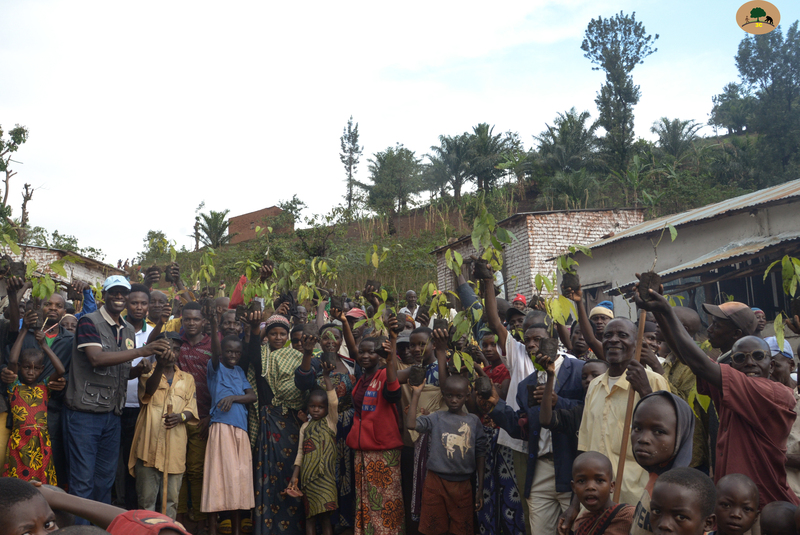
<point x="617" y="45"/>
<point x="351" y="152"/>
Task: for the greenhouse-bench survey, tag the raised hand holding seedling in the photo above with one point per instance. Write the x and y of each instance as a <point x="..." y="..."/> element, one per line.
<point x="338" y="314"/>
<point x="441" y="340"/>
<point x="309" y="341"/>
<point x="391" y="323"/>
<point x="30" y="320"/>
<point x="656" y="304"/>
<point x="283" y="309"/>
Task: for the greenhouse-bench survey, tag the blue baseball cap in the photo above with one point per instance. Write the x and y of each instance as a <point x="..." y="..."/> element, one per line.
<point x="773" y="347"/>
<point x="116" y="280"/>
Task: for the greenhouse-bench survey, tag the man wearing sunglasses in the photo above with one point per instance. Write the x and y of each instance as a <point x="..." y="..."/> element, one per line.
<point x="755" y="413"/>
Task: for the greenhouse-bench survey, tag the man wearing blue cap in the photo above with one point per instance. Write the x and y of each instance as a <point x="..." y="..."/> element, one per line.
<point x="101" y="354"/>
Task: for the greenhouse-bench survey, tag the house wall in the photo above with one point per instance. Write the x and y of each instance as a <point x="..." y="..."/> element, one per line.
<point x="242" y="227"/>
<point x="539" y="237"/>
<point x="552" y="234"/>
<point x="618" y="262"/>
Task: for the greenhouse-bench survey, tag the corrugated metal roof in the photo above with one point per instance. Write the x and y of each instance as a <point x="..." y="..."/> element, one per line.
<point x="743" y="202"/>
<point x="747" y="247"/>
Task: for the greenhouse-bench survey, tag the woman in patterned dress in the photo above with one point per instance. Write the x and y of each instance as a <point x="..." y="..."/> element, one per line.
<point x="307" y="377"/>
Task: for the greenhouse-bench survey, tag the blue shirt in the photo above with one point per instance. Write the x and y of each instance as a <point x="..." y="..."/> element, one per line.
<point x="224" y="382"/>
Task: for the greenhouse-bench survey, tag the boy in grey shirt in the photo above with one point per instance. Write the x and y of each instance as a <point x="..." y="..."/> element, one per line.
<point x="447" y="504"/>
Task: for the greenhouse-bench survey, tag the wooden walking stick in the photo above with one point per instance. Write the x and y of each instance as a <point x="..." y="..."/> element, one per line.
<point x="166" y="467"/>
<point x="626" y="429"/>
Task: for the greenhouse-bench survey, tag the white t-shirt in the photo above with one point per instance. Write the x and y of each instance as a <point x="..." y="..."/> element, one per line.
<point x="132" y="395"/>
<point x="519" y="365"/>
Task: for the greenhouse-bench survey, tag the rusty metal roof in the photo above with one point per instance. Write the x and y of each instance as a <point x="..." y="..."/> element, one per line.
<point x="784" y="192"/>
<point x="748" y="247"/>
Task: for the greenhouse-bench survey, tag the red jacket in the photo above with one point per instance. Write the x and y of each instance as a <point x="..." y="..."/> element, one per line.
<point x="376" y="429"/>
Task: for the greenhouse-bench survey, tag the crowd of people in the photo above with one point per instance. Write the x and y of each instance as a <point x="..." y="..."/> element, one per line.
<point x="203" y="414"/>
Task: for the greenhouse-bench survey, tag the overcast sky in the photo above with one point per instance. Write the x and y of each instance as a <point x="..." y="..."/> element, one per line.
<point x="139" y="111"/>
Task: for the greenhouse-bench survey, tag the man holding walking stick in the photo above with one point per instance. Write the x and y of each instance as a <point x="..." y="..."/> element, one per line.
<point x="604" y="414"/>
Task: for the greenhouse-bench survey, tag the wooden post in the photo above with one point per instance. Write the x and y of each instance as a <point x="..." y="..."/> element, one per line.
<point x="166" y="467"/>
<point x="626" y="429"/>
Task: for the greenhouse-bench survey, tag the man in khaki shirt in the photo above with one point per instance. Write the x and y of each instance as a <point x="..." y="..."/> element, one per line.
<point x="607" y="401"/>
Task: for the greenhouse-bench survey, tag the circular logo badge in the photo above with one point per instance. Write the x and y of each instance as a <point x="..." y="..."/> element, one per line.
<point x="758" y="17"/>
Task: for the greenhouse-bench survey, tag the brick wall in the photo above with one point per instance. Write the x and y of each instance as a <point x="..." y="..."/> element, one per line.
<point x="552" y="233"/>
<point x="541" y="236"/>
<point x="242" y="227"/>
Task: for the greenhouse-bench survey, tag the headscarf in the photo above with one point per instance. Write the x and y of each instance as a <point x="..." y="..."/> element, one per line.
<point x="276" y="320"/>
<point x="684" y="433"/>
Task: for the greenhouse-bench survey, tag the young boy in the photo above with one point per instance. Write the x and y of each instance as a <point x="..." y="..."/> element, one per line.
<point x="165" y="387"/>
<point x="737" y="504"/>
<point x="593" y="483"/>
<point x="23" y="509"/>
<point x="683" y="503"/>
<point x="777" y="518"/>
<point x="452" y="461"/>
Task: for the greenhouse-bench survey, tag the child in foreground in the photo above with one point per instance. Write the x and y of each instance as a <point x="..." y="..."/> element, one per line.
<point x="683" y="503"/>
<point x="227" y="480"/>
<point x="457" y="451"/>
<point x="737" y="505"/>
<point x="662" y="436"/>
<point x="777" y="518"/>
<point x="315" y="464"/>
<point x="593" y="482"/>
<point x="29" y="455"/>
<point x="23" y="509"/>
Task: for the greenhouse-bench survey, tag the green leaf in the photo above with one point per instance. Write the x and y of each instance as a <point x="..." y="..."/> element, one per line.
<point x="769" y="268"/>
<point x="375" y="260"/>
<point x="11" y="244"/>
<point x="58" y="268"/>
<point x="503" y="235"/>
<point x="457" y="360"/>
<point x="673" y="232"/>
<point x="458" y="258"/>
<point x="778" y="325"/>
<point x="30" y="268"/>
<point x="585" y="250"/>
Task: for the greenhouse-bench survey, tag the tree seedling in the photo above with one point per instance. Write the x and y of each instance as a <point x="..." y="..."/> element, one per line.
<point x="548" y="347"/>
<point x="483" y="387"/>
<point x="416" y="376"/>
<point x="790" y="275"/>
<point x="566" y="264"/>
<point x="328" y="357"/>
<point x="650" y="280"/>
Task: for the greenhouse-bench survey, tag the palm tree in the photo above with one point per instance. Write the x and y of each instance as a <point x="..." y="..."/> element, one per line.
<point x="453" y="155"/>
<point x="569" y="145"/>
<point x="487" y="153"/>
<point x="574" y="187"/>
<point x="214" y="229"/>
<point x="634" y="179"/>
<point x="675" y="137"/>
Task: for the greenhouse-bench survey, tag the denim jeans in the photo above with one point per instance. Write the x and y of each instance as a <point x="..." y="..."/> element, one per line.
<point x="93" y="450"/>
